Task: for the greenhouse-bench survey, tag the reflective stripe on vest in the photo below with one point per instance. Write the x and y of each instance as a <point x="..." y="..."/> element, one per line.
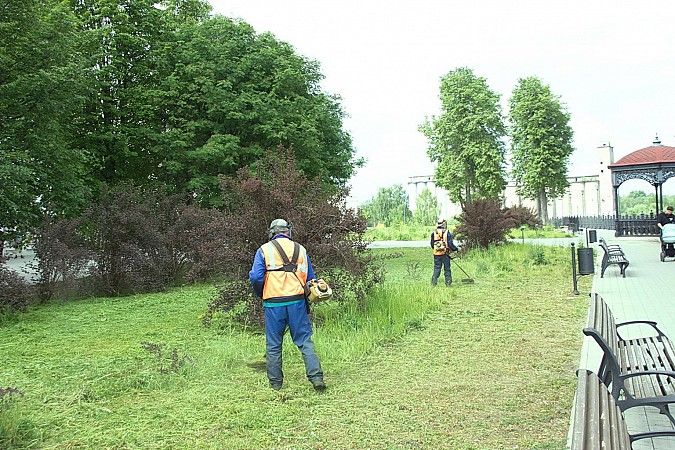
<point x="279" y="283"/>
<point x="443" y="236"/>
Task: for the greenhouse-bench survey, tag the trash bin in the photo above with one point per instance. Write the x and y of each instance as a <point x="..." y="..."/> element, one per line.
<point x="592" y="236"/>
<point x="586" y="261"/>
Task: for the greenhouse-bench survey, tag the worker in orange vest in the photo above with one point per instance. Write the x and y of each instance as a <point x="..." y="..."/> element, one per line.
<point x="441" y="243"/>
<point x="281" y="269"/>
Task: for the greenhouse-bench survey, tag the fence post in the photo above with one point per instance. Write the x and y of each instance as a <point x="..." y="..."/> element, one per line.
<point x="574" y="271"/>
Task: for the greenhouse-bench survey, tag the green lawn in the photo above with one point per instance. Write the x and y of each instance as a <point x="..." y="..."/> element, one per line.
<point x="483" y="366"/>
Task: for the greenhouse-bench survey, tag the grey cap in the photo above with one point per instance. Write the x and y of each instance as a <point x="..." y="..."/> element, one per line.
<point x="279" y="224"/>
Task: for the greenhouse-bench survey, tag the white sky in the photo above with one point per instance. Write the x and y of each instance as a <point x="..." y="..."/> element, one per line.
<point x="611" y="62"/>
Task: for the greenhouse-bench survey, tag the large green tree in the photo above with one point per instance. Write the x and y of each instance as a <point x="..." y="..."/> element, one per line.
<point x="427" y="210"/>
<point x="388" y="207"/>
<point x="541" y="142"/>
<point x="97" y="92"/>
<point x="181" y="97"/>
<point x="120" y="125"/>
<point x="41" y="80"/>
<point x="231" y="95"/>
<point x="465" y="141"/>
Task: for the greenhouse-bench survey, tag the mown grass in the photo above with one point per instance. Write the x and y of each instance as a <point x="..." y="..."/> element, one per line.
<point x="488" y="365"/>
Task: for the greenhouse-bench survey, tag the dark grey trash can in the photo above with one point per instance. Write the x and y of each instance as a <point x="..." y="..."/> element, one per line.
<point x="586" y="261"/>
<point x="592" y="236"/>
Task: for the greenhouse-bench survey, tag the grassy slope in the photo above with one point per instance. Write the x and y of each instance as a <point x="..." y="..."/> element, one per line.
<point x="493" y="367"/>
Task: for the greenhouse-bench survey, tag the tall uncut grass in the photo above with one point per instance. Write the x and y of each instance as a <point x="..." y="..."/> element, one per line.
<point x="474" y="366"/>
<point x="409" y="232"/>
<point x="399" y="232"/>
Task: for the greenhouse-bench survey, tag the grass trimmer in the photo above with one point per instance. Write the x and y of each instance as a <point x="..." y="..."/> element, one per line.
<point x="468" y="280"/>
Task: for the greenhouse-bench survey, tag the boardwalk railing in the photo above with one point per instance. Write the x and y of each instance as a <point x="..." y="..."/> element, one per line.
<point x="625" y="225"/>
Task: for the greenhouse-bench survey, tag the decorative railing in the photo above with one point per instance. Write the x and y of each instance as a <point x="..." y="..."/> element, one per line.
<point x="625" y="225"/>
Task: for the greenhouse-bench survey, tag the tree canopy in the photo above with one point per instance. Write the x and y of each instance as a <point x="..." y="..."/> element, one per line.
<point x="100" y="92"/>
<point x="389" y="206"/>
<point x="541" y="142"/>
<point x="465" y="141"/>
<point x="40" y="93"/>
<point x="232" y="94"/>
<point x="427" y="210"/>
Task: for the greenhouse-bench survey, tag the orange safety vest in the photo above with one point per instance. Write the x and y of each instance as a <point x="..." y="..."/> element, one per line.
<point x="280" y="284"/>
<point x="443" y="237"/>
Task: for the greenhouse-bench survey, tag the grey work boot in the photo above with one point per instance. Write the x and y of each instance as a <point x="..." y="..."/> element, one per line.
<point x="319" y="385"/>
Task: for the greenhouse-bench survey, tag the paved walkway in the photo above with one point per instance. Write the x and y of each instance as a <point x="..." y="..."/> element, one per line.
<point x="21" y="265"/>
<point x="647" y="293"/>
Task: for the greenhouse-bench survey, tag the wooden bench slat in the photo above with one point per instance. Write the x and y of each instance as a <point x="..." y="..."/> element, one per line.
<point x="597" y="421"/>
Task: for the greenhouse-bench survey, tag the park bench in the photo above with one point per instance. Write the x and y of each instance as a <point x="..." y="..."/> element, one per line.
<point x="597" y="421"/>
<point x="639" y="371"/>
<point x="612" y="255"/>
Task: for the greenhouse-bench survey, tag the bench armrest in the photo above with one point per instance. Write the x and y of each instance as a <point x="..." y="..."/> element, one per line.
<point x="645" y="373"/>
<point x="651" y="434"/>
<point x="640" y="322"/>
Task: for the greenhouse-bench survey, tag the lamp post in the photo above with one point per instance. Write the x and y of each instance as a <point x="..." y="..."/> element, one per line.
<point x="522" y="234"/>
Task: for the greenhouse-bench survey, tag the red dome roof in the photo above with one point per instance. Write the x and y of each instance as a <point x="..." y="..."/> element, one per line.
<point x="649" y="155"/>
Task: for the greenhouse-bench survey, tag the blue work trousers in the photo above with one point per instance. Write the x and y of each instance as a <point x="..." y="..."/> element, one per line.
<point x="442" y="261"/>
<point x="296" y="318"/>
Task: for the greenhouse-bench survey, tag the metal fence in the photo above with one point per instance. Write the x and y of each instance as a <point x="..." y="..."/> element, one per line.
<point x="626" y="225"/>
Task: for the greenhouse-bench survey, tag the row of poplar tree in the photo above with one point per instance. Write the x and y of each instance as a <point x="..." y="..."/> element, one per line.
<point x="467" y="141"/>
<point x="100" y="92"/>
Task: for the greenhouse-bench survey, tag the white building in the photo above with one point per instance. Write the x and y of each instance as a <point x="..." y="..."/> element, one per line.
<point x="589" y="195"/>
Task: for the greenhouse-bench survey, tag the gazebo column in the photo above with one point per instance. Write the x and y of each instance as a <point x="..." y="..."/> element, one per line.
<point x="616" y="211"/>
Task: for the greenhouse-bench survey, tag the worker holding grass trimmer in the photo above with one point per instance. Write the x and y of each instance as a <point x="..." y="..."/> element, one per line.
<point x="282" y="275"/>
<point x="441" y="243"/>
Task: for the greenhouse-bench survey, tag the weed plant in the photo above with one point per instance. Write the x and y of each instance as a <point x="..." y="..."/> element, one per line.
<point x="482" y="366"/>
<point x="13" y="424"/>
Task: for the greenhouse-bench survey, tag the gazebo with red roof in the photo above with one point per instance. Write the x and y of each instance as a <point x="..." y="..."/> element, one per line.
<point x="654" y="164"/>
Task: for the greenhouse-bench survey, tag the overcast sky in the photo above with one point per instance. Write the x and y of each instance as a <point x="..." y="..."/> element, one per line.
<point x="611" y="62"/>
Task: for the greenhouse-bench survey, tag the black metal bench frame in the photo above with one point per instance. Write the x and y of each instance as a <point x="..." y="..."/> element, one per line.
<point x="613" y="255"/>
<point x="639" y="371"/>
<point x="597" y="421"/>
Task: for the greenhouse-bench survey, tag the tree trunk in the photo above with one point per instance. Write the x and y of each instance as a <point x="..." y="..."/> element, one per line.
<point x="467" y="192"/>
<point x="543" y="207"/>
